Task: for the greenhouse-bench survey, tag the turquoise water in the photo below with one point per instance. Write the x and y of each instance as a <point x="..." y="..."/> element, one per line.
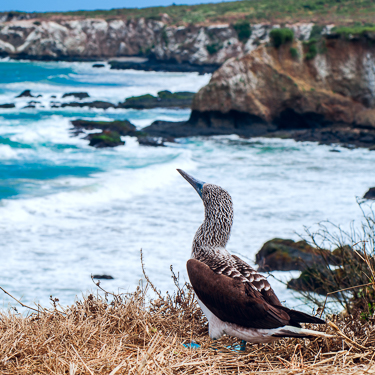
<point x="68" y="210"/>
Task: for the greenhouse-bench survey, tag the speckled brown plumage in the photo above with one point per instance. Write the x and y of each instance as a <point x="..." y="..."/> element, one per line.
<point x="236" y="299"/>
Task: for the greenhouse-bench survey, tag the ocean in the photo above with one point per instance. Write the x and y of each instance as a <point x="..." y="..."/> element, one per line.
<point x="68" y="210"/>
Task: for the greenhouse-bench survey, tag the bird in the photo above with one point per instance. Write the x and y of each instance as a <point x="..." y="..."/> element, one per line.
<point x="236" y="299"/>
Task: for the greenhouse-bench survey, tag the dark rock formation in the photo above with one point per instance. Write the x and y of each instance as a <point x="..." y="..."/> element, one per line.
<point x="7" y="105"/>
<point x="164" y="66"/>
<point x="314" y="279"/>
<point x="306" y="98"/>
<point x="123" y="127"/>
<point x="370" y="194"/>
<point x="113" y="130"/>
<point x="165" y="99"/>
<point x="287" y="255"/>
<point x="25" y="94"/>
<point x="96" y="104"/>
<point x="151" y="141"/>
<point x="103" y="277"/>
<point x="351" y="270"/>
<point x="78" y="95"/>
<point x="98" y="65"/>
<point x="106" y="138"/>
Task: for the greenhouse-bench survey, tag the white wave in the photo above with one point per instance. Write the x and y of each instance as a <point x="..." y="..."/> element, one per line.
<point x="6" y="152"/>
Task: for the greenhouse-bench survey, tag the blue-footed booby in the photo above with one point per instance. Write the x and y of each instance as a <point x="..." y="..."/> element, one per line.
<point x="236" y="299"/>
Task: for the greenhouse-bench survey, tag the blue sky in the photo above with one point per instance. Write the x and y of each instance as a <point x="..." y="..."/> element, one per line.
<point x="66" y="5"/>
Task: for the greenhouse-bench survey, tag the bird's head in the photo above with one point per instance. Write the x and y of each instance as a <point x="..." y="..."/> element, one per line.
<point x="215" y="199"/>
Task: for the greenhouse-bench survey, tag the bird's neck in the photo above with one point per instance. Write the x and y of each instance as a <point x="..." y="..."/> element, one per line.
<point x="212" y="236"/>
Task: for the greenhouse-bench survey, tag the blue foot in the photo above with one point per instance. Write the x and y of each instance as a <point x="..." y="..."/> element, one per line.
<point x="192" y="345"/>
<point x="238" y="348"/>
<point x="243" y="346"/>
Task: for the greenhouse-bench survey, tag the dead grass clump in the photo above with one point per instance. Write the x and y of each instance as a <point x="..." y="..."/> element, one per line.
<point x="127" y="334"/>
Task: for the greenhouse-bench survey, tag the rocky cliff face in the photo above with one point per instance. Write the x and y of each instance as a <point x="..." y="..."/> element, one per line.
<point x="290" y="87"/>
<point x="81" y="39"/>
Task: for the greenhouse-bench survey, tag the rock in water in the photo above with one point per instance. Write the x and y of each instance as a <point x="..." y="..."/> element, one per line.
<point x="96" y="104"/>
<point x="370" y="194"/>
<point x="123" y="127"/>
<point x="78" y="95"/>
<point x="165" y="99"/>
<point x="7" y="105"/>
<point x="286" y="255"/>
<point x="25" y="94"/>
<point x="105" y="139"/>
<point x="103" y="277"/>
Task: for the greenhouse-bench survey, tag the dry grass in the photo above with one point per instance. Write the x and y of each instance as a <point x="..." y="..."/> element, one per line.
<point x="127" y="334"/>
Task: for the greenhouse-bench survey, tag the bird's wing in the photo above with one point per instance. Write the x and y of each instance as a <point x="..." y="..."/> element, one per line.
<point x="256" y="279"/>
<point x="233" y="300"/>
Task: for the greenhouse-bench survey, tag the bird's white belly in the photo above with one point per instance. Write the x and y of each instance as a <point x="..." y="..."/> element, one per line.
<point x="218" y="328"/>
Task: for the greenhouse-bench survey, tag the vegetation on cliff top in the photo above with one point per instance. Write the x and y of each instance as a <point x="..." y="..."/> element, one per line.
<point x="281" y="36"/>
<point x="330" y="11"/>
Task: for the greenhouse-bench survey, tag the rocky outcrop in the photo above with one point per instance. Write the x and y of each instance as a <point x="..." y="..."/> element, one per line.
<point x="190" y="46"/>
<point x="78" y="95"/>
<point x="80" y="39"/>
<point x="370" y="194"/>
<point x="286" y="255"/>
<point x="123" y="127"/>
<point x="289" y="89"/>
<point x="112" y="132"/>
<point x="106" y="138"/>
<point x="26" y="94"/>
<point x="165" y="99"/>
<point x="95" y="104"/>
<point x="164" y="66"/>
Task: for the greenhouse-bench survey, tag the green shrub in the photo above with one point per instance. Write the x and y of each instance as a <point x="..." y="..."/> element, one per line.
<point x="354" y="30"/>
<point x="316" y="32"/>
<point x="164" y="37"/>
<point x="294" y="53"/>
<point x="243" y="30"/>
<point x="312" y="52"/>
<point x="281" y="36"/>
<point x="213" y="48"/>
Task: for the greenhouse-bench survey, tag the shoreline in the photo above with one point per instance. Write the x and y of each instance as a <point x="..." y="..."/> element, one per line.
<point x="124" y="63"/>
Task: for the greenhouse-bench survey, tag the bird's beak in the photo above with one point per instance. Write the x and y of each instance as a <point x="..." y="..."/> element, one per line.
<point x="196" y="184"/>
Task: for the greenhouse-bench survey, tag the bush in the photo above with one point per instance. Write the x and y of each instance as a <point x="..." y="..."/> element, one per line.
<point x="164" y="36"/>
<point x="312" y="51"/>
<point x="294" y="53"/>
<point x="213" y="48"/>
<point x="354" y="30"/>
<point x="316" y="32"/>
<point x="243" y="30"/>
<point x="281" y="36"/>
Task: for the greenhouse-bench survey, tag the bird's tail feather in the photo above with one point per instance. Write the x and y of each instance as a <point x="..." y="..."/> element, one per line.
<point x="301" y="317"/>
<point x="289" y="331"/>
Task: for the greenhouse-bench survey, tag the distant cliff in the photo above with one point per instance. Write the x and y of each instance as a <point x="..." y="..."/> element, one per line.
<point x="325" y="85"/>
<point x="91" y="39"/>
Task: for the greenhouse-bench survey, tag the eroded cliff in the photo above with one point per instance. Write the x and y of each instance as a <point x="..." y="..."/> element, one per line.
<point x="301" y="85"/>
<point x="89" y="39"/>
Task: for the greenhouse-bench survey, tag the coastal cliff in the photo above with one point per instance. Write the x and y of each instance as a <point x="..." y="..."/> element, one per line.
<point x="316" y="85"/>
<point x="95" y="38"/>
<point x="90" y="39"/>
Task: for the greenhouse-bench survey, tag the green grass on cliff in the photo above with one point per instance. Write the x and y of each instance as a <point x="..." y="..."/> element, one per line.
<point x="340" y="12"/>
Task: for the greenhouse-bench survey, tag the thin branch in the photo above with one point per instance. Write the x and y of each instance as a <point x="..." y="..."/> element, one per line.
<point x="22" y="304"/>
<point x="146" y="277"/>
